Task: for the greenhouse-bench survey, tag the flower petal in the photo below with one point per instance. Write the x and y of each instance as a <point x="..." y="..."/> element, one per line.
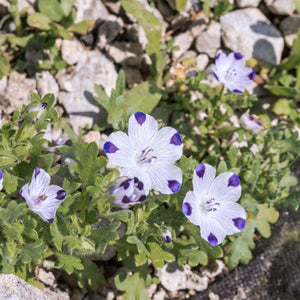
<point x="226" y="187"/>
<point x="191" y="208"/>
<point x="141" y="130"/>
<point x="203" y="177"/>
<point x="39" y="182"/>
<point x="167" y="145"/>
<point x="119" y="150"/>
<point x="165" y="178"/>
<point x="212" y="232"/>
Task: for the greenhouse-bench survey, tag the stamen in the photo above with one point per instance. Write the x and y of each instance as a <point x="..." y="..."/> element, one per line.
<point x="40" y="199"/>
<point x="231" y="74"/>
<point x="146" y="157"/>
<point x="209" y="206"/>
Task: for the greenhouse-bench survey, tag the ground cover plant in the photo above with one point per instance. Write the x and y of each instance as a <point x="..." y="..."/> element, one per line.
<point x="200" y="181"/>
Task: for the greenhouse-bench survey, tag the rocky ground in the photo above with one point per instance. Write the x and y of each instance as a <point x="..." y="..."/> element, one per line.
<point x="264" y="30"/>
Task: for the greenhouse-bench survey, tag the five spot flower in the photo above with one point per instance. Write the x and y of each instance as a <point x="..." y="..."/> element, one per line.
<point x="212" y="205"/>
<point x="40" y="109"/>
<point x="232" y="72"/>
<point x="251" y="122"/>
<point x="41" y="197"/>
<point x="147" y="153"/>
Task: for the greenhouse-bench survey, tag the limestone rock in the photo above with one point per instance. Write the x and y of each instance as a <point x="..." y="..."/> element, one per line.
<point x="247" y="3"/>
<point x="135" y="33"/>
<point x="202" y="61"/>
<point x="71" y="51"/>
<point x="90" y="10"/>
<point x="249" y="32"/>
<point x="113" y="5"/>
<point x="209" y="41"/>
<point x="46" y="83"/>
<point x="3" y="84"/>
<point x="281" y="7"/>
<point x="13" y="286"/>
<point x="183" y="41"/>
<point x="289" y="28"/>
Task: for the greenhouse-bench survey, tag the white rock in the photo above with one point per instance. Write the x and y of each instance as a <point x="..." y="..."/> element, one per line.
<point x="247" y="3"/>
<point x="281" y="7"/>
<point x="90" y="10"/>
<point x="18" y="91"/>
<point x="3" y="83"/>
<point x="4" y="3"/>
<point x="71" y="51"/>
<point x="289" y="28"/>
<point x="113" y="5"/>
<point x="249" y="32"/>
<point x="202" y="61"/>
<point x="184" y="42"/>
<point x="209" y="41"/>
<point x="46" y="83"/>
<point x="55" y="295"/>
<point x="174" y="278"/>
<point x="109" y="30"/>
<point x="46" y="277"/>
<point x="13" y="286"/>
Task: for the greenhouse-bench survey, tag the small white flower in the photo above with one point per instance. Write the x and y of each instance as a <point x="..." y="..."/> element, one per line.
<point x="212" y="205"/>
<point x="128" y="191"/>
<point x="1" y="180"/>
<point x="41" y="197"/>
<point x="167" y="235"/>
<point x="251" y="122"/>
<point x="232" y="72"/>
<point x="147" y="153"/>
<point x="40" y="109"/>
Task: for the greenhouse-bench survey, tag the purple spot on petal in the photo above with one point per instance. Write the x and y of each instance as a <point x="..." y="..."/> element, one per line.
<point x="200" y="170"/>
<point x="110" y="147"/>
<point x="125" y="184"/>
<point x="176" y="139"/>
<point x="212" y="239"/>
<point x="174" y="185"/>
<point x="251" y="118"/>
<point x="215" y="75"/>
<point x="142" y="198"/>
<point x="1" y="174"/>
<point x="126" y="200"/>
<point x="60" y="195"/>
<point x="217" y="57"/>
<point x="37" y="171"/>
<point x="239" y="223"/>
<point x="251" y="75"/>
<point x="237" y="55"/>
<point x="140" y="117"/>
<point x="186" y="209"/>
<point x="50" y="221"/>
<point x="168" y="239"/>
<point x="44" y="105"/>
<point x="233" y="181"/>
<point x="237" y="91"/>
<point x="135" y="179"/>
<point x="140" y="186"/>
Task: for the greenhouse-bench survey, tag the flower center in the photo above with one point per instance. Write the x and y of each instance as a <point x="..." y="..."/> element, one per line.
<point x="40" y="198"/>
<point x="209" y="206"/>
<point x="231" y="73"/>
<point x="146" y="157"/>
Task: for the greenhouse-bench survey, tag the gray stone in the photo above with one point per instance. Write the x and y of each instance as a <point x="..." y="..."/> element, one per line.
<point x="209" y="41"/>
<point x="198" y="26"/>
<point x="136" y="34"/>
<point x="249" y="32"/>
<point x="33" y="60"/>
<point x="202" y="61"/>
<point x="18" y="91"/>
<point x="13" y="286"/>
<point x="174" y="278"/>
<point x="46" y="83"/>
<point x="109" y="30"/>
<point x="93" y="68"/>
<point x="184" y="42"/>
<point x="165" y="10"/>
<point x="247" y="3"/>
<point x="55" y="295"/>
<point x="281" y="7"/>
<point x="133" y="75"/>
<point x="90" y="10"/>
<point x="289" y="28"/>
<point x="46" y="277"/>
<point x="4" y="3"/>
<point x="3" y="84"/>
<point x="71" y="51"/>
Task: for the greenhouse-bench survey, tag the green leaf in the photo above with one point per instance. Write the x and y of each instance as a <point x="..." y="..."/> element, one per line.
<point x="68" y="262"/>
<point x="193" y="257"/>
<point x="180" y="4"/>
<point x="29" y="227"/>
<point x="81" y="27"/>
<point x="282" y="107"/>
<point x="121" y="83"/>
<point x="57" y="237"/>
<point x="4" y="66"/>
<point x="32" y="252"/>
<point x="288" y="180"/>
<point x="282" y="90"/>
<point x="158" y="255"/>
<point x="13" y="212"/>
<point x="297" y="2"/>
<point x="133" y="285"/>
<point x="39" y="20"/>
<point x="66" y="6"/>
<point x="140" y="246"/>
<point x="222" y="8"/>
<point x="19" y="41"/>
<point x="103" y="99"/>
<point x="52" y="9"/>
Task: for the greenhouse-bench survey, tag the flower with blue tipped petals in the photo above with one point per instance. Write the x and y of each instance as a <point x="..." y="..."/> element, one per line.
<point x="231" y="70"/>
<point x="251" y="122"/>
<point x="40" y="109"/>
<point x="167" y="235"/>
<point x="128" y="191"/>
<point x="147" y="153"/>
<point x="41" y="197"/>
<point x="212" y="204"/>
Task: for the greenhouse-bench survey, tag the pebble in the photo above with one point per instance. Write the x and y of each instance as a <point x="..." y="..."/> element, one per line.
<point x="71" y="51"/>
<point x="46" y="83"/>
<point x="90" y="10"/>
<point x="247" y="3"/>
<point x="183" y="41"/>
<point x="281" y="7"/>
<point x="289" y="28"/>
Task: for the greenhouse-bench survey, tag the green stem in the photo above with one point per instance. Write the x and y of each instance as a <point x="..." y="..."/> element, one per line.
<point x="221" y="93"/>
<point x="84" y="198"/>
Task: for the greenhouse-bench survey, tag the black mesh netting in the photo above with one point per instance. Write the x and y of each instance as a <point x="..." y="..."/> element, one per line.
<point x="273" y="272"/>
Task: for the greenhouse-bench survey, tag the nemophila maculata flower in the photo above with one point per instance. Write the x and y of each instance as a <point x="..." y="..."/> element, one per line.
<point x="41" y="197"/>
<point x="251" y="122"/>
<point x="40" y="109"/>
<point x="147" y="153"/>
<point x="128" y="191"/>
<point x="167" y="235"/>
<point x="212" y="204"/>
<point x="232" y="72"/>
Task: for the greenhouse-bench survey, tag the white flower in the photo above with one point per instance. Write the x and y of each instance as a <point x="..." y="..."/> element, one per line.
<point x="212" y="205"/>
<point x="1" y="180"/>
<point x="40" y="109"/>
<point x="41" y="197"/>
<point x="251" y="122"/>
<point x="167" y="235"/>
<point x="128" y="191"/>
<point x="147" y="153"/>
<point x="232" y="72"/>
